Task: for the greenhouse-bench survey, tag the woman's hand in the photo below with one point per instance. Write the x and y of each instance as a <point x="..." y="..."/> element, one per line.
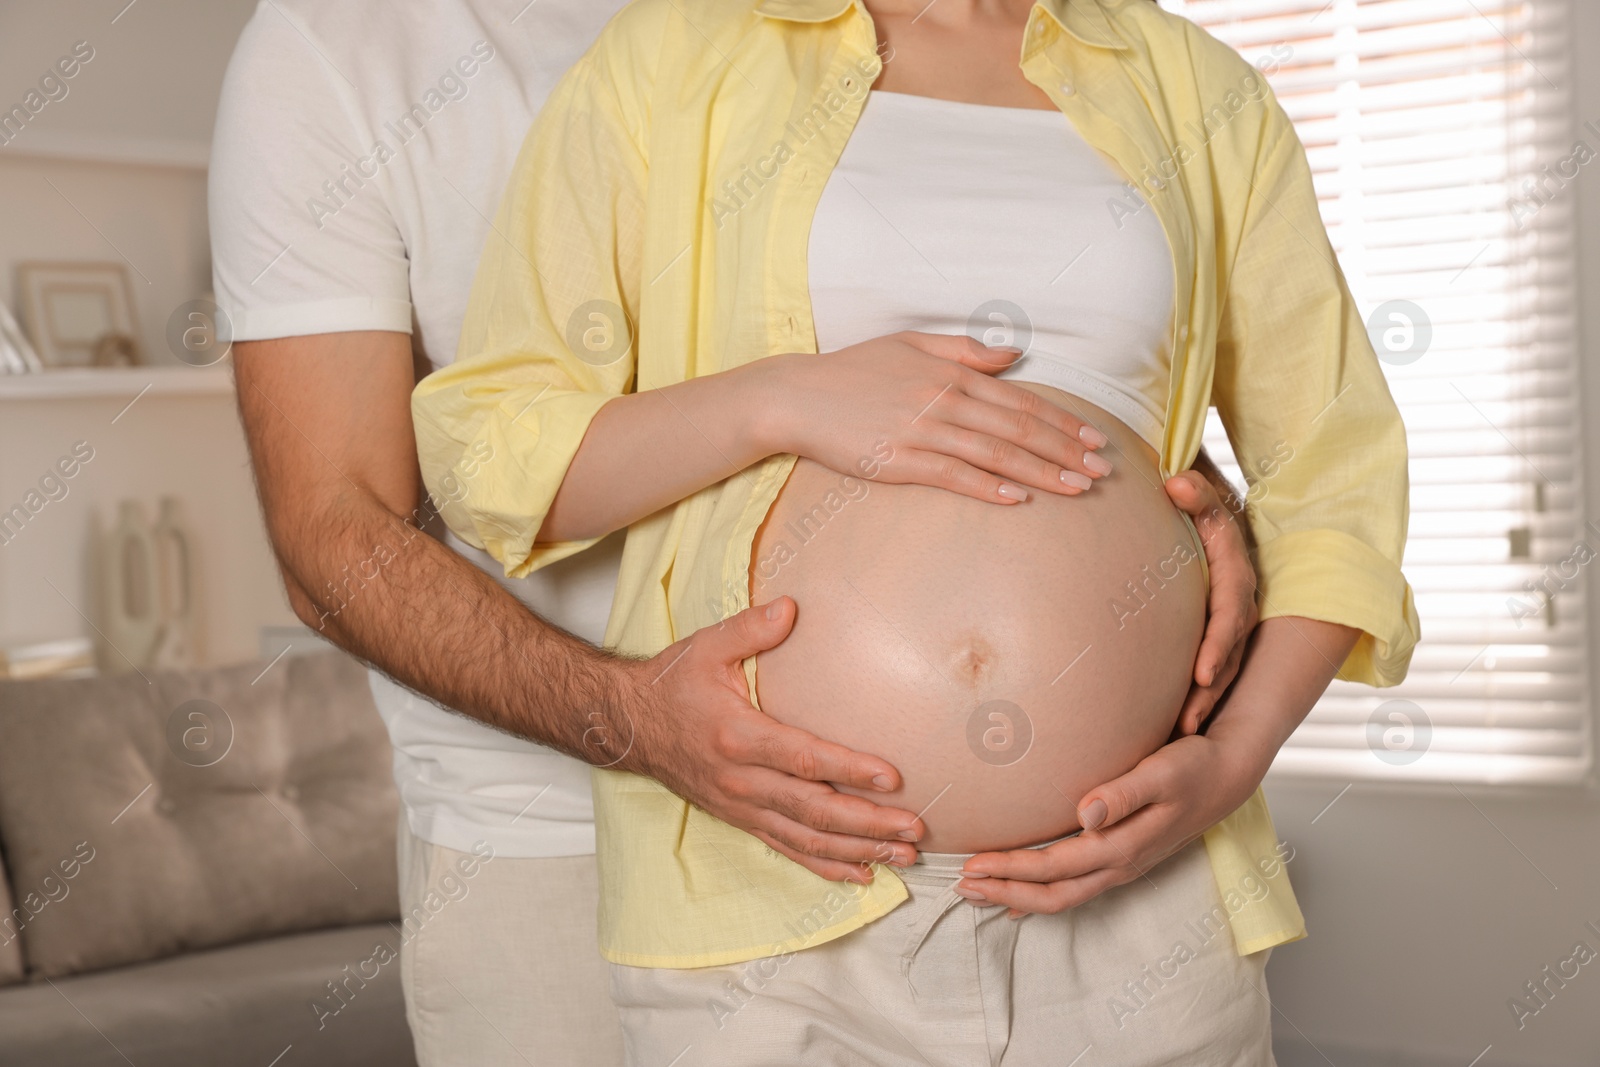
<point x="922" y="408"/>
<point x="1172" y="797"/>
<point x="1231" y="612"/>
<point x="1181" y="790"/>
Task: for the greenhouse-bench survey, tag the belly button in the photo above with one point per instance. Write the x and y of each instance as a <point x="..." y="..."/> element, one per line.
<point x="974" y="659"/>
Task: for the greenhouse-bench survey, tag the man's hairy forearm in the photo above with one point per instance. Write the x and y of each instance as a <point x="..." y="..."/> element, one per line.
<point x="334" y="459"/>
<point x="430" y="619"/>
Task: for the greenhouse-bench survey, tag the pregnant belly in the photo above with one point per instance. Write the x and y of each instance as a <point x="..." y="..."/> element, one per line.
<point x="1007" y="659"/>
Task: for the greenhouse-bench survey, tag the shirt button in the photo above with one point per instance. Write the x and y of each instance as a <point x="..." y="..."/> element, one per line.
<point x="1067" y="89"/>
<point x="1038" y="28"/>
<point x="1157" y="183"/>
<point x="1183" y="333"/>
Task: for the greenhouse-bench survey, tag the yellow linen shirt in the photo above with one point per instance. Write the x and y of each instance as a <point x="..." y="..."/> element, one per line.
<point x="656" y="229"/>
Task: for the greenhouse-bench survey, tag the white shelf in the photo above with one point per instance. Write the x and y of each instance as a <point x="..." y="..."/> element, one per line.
<point x="109" y="382"/>
<point x="110" y="148"/>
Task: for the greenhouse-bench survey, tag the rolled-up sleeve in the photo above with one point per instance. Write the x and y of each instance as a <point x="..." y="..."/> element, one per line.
<point x="546" y="341"/>
<point x="1312" y="422"/>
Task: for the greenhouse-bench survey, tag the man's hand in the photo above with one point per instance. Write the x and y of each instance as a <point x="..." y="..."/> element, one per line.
<point x="1231" y="602"/>
<point x="328" y="419"/>
<point x="689" y="724"/>
<point x="1182" y="789"/>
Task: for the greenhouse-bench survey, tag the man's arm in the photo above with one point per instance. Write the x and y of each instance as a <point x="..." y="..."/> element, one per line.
<point x="328" y="420"/>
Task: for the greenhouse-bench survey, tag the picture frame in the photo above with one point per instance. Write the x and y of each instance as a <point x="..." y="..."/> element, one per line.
<point x="16" y="354"/>
<point x="70" y="309"/>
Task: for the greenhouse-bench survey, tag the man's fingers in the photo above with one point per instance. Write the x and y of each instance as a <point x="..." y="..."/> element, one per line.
<point x="1187" y="490"/>
<point x="755" y="629"/>
<point x="821" y="809"/>
<point x="766" y="742"/>
<point x="842" y="848"/>
<point x="832" y="870"/>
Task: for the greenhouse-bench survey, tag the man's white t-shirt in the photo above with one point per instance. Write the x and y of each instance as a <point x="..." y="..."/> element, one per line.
<point x="361" y="149"/>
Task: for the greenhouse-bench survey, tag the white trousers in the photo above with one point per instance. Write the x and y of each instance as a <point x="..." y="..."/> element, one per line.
<point x="499" y="960"/>
<point x="1145" y="974"/>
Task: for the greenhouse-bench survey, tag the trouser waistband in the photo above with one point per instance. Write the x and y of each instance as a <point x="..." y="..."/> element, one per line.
<point x="944" y="868"/>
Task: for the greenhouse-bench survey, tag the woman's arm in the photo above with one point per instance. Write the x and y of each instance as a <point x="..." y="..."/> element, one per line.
<point x="1320" y="440"/>
<point x="924" y="399"/>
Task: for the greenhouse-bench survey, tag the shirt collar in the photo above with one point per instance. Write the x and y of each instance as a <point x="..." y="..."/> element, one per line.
<point x="1085" y="20"/>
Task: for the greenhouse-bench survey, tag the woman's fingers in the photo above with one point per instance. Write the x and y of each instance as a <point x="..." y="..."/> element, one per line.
<point x="959" y="348"/>
<point x="1197" y="707"/>
<point x="1048" y="899"/>
<point x="1005" y="394"/>
<point x="943" y="471"/>
<point x="1017" y="444"/>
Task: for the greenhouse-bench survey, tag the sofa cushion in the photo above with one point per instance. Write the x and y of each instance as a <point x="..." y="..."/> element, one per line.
<point x="240" y="1006"/>
<point x="193" y="809"/>
<point x="10" y="933"/>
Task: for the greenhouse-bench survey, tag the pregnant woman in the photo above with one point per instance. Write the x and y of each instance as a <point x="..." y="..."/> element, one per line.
<point x="725" y="307"/>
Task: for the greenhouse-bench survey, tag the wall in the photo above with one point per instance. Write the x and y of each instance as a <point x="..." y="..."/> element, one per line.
<point x="1430" y="908"/>
<point x="151" y="88"/>
<point x="187" y="446"/>
<point x="114" y="171"/>
<point x="138" y="118"/>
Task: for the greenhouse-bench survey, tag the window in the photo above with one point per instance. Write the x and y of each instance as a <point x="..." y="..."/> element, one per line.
<point x="1441" y="137"/>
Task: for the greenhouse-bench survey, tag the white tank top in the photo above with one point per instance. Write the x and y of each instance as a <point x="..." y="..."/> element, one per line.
<point x="1001" y="223"/>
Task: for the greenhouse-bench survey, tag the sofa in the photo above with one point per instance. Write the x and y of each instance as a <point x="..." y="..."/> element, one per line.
<point x="199" y="869"/>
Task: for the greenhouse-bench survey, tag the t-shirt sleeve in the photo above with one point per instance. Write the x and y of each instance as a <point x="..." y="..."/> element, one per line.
<point x="302" y="235"/>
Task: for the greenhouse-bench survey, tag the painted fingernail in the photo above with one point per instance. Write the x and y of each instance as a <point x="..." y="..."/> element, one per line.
<point x="1075" y="480"/>
<point x="774" y="610"/>
<point x="972" y="895"/>
<point x="1012" y="492"/>
<point x="1096" y="463"/>
<point x="907" y="835"/>
<point x="1011" y="349"/>
<point x="883" y="782"/>
<point x="1092" y="437"/>
<point x="1093" y="815"/>
<point x="973" y="874"/>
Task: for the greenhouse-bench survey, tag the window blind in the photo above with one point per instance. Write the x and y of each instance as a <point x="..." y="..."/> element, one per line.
<point x="1442" y="140"/>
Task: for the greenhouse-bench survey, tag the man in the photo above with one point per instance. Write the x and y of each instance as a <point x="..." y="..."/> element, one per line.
<point x="359" y="155"/>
